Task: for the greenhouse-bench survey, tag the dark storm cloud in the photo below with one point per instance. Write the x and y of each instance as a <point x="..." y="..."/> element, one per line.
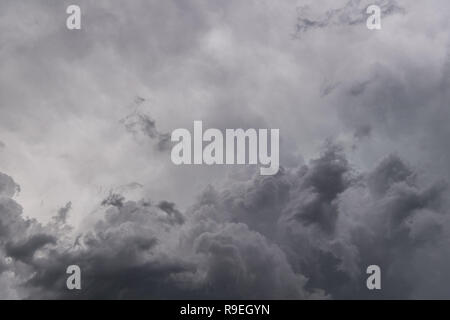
<point x="327" y="177"/>
<point x="169" y="208"/>
<point x="118" y="259"/>
<point x="353" y="12"/>
<point x="308" y="232"/>
<point x="25" y="250"/>
<point x="384" y="217"/>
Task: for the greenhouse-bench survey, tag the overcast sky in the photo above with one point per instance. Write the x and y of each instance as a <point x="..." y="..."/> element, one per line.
<point x="86" y="176"/>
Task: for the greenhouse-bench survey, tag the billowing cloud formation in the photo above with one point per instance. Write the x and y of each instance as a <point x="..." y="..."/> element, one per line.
<point x="308" y="232"/>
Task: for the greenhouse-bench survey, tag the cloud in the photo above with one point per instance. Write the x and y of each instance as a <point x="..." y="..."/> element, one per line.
<point x="61" y="217"/>
<point x="239" y="259"/>
<point x="25" y="250"/>
<point x="307" y="232"/>
<point x="138" y="123"/>
<point x="8" y="188"/>
<point x="362" y="131"/>
<point x="330" y="232"/>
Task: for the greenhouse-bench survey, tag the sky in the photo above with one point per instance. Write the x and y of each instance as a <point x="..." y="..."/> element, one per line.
<point x="86" y="176"/>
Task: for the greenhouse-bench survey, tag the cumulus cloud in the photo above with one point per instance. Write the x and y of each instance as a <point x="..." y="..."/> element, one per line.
<point x="307" y="232"/>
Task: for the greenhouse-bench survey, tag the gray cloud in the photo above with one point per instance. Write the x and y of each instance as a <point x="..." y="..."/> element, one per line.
<point x="138" y="123"/>
<point x="362" y="131"/>
<point x="25" y="250"/>
<point x="409" y="114"/>
<point x="307" y="232"/>
<point x="63" y="213"/>
<point x="8" y="187"/>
